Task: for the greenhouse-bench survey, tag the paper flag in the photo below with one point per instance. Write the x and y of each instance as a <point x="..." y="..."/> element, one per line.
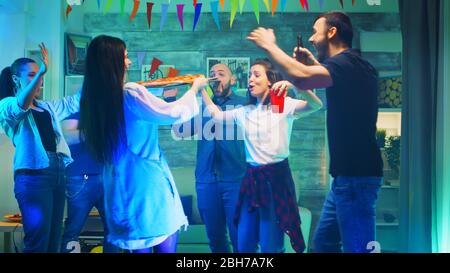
<point x="140" y="58"/>
<point x="283" y="4"/>
<point x="241" y="5"/>
<point x="173" y="72"/>
<point x="122" y="6"/>
<point x="255" y="4"/>
<point x="155" y="64"/>
<point x="98" y="4"/>
<point x="164" y="8"/>
<point x="234" y="7"/>
<point x="195" y="2"/>
<point x="180" y="14"/>
<point x="321" y="4"/>
<point x="303" y="3"/>
<point x="353" y="2"/>
<point x="266" y="3"/>
<point x="198" y="9"/>
<point x="342" y="3"/>
<point x="215" y="15"/>
<point x="274" y="6"/>
<point x="222" y="4"/>
<point x="149" y="13"/>
<point x="68" y="10"/>
<point x="108" y="6"/>
<point x="135" y="9"/>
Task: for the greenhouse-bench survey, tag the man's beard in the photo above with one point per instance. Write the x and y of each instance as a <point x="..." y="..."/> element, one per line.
<point x="223" y="93"/>
<point x="322" y="51"/>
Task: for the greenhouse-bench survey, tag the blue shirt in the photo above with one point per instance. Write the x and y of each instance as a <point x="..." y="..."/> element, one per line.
<point x="20" y="127"/>
<point x="220" y="155"/>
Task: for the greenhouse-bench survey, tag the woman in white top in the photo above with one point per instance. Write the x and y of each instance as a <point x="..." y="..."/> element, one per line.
<point x="120" y="124"/>
<point x="267" y="204"/>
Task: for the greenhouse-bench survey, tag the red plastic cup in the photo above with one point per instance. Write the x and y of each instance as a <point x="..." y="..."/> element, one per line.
<point x="277" y="102"/>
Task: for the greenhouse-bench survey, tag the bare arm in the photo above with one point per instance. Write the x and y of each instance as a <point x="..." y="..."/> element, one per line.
<point x="71" y="131"/>
<point x="27" y="94"/>
<point x="214" y="110"/>
<point x="302" y="76"/>
<point x="310" y="103"/>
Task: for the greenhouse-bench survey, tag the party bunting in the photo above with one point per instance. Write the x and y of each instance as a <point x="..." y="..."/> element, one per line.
<point x="68" y="10"/>
<point x="141" y="57"/>
<point x="222" y="4"/>
<point x="255" y="4"/>
<point x="321" y="4"/>
<point x="305" y="4"/>
<point x="283" y="4"/>
<point x="108" y="6"/>
<point x="122" y="6"/>
<point x="173" y="72"/>
<point x="215" y="15"/>
<point x="198" y="9"/>
<point x="241" y="5"/>
<point x="135" y="9"/>
<point x="234" y="7"/>
<point x="98" y="4"/>
<point x="180" y="14"/>
<point x="274" y="6"/>
<point x="342" y="3"/>
<point x="195" y="2"/>
<point x="164" y="9"/>
<point x="353" y="2"/>
<point x="155" y="64"/>
<point x="266" y="3"/>
<point x="149" y="13"/>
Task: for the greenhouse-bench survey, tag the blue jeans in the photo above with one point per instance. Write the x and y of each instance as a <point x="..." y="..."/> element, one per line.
<point x="40" y="195"/>
<point x="348" y="215"/>
<point x="261" y="226"/>
<point x="217" y="204"/>
<point x="83" y="193"/>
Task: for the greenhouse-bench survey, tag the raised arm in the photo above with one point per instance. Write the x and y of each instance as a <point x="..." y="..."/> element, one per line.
<point x="214" y="110"/>
<point x="302" y="76"/>
<point x="28" y="93"/>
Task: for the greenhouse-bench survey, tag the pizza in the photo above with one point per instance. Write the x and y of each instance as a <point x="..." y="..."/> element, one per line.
<point x="185" y="79"/>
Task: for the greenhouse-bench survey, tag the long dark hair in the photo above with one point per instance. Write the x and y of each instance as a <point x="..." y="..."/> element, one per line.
<point x="7" y="86"/>
<point x="271" y="73"/>
<point x="102" y="122"/>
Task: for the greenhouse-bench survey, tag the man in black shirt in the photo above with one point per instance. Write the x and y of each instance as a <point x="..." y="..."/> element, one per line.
<point x="351" y="83"/>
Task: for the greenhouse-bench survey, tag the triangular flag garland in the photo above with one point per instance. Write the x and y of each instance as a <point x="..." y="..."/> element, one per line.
<point x="241" y="6"/>
<point x="135" y="9"/>
<point x="255" y="4"/>
<point x="122" y="6"/>
<point x="149" y="13"/>
<point x="108" y="6"/>
<point x="98" y="4"/>
<point x="195" y="2"/>
<point x="266" y="3"/>
<point x="283" y="4"/>
<point x="68" y="11"/>
<point x="155" y="64"/>
<point x="180" y="14"/>
<point x="304" y="4"/>
<point x="342" y="3"/>
<point x="234" y="8"/>
<point x="353" y="2"/>
<point x="164" y="9"/>
<point x="214" y="6"/>
<point x="274" y="6"/>
<point x="198" y="9"/>
<point x="321" y="4"/>
<point x="173" y="72"/>
<point x="141" y="57"/>
<point x="222" y="4"/>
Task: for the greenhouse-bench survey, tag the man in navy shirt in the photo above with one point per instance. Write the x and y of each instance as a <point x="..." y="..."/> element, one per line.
<point x="220" y="163"/>
<point x="348" y="216"/>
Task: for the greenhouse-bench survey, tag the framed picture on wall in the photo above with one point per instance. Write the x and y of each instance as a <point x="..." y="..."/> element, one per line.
<point x="35" y="54"/>
<point x="75" y="53"/>
<point x="240" y="67"/>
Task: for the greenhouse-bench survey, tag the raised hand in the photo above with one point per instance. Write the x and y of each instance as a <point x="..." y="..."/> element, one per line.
<point x="44" y="58"/>
<point x="280" y="88"/>
<point x="262" y="37"/>
<point x="200" y="83"/>
<point x="306" y="56"/>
